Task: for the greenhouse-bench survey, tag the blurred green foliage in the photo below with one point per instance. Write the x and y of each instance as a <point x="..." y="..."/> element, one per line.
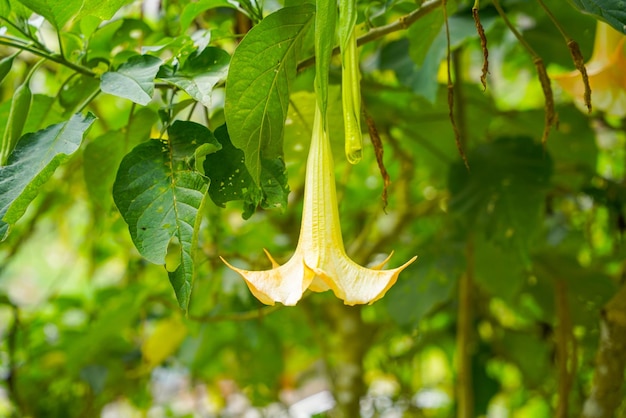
<point x="88" y="327"/>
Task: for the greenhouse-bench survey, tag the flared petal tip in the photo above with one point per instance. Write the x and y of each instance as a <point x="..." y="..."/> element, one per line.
<point x="284" y="284"/>
<point x="367" y="285"/>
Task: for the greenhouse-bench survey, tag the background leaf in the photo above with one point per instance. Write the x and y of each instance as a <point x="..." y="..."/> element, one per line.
<point x="505" y="190"/>
<point x="33" y="161"/>
<point x="257" y="88"/>
<point x="133" y="80"/>
<point x="159" y="194"/>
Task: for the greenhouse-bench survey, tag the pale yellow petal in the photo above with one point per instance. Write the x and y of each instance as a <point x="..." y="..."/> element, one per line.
<point x="356" y="284"/>
<point x="284" y="284"/>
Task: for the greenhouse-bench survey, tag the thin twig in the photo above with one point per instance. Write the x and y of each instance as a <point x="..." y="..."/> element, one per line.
<point x="457" y="133"/>
<point x="577" y="56"/>
<point x="550" y="115"/>
<point x="4" y="40"/>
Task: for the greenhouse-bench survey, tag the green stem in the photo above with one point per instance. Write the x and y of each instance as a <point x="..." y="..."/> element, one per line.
<point x="16" y="43"/>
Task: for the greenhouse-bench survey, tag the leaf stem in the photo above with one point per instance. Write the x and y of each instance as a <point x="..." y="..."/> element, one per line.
<point x="88" y="100"/>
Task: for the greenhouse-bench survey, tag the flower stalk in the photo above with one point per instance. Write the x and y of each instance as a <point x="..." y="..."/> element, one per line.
<point x="351" y="99"/>
<point x="320" y="261"/>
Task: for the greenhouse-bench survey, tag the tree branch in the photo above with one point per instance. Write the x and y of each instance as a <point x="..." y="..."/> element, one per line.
<point x="464" y="387"/>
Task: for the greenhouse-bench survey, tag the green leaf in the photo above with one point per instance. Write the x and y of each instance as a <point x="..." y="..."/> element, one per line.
<point x="20" y="105"/>
<point x="192" y="10"/>
<point x="32" y="163"/>
<point x="199" y="74"/>
<point x="5" y="65"/>
<point x="257" y="87"/>
<point x="103" y="10"/>
<point x="56" y="12"/>
<point x="462" y="28"/>
<point x="432" y="283"/>
<point x="230" y="179"/>
<point x="325" y="22"/>
<point x="611" y="11"/>
<point x="159" y="194"/>
<point x="76" y="91"/>
<point x="133" y="80"/>
<point x="499" y="272"/>
<point x="505" y="190"/>
<point x="102" y="157"/>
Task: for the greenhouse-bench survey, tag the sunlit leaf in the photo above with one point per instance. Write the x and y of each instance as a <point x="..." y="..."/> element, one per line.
<point x="199" y="74"/>
<point x="159" y="194"/>
<point x="104" y="10"/>
<point x="56" y="12"/>
<point x="33" y="161"/>
<point x="133" y="80"/>
<point x="257" y="88"/>
<point x="5" y="65"/>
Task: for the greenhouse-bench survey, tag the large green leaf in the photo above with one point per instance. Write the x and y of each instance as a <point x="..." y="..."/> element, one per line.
<point x="56" y="12"/>
<point x="133" y="80"/>
<point x="159" y="193"/>
<point x="31" y="164"/>
<point x="505" y="190"/>
<point x="199" y="74"/>
<point x="257" y="88"/>
<point x="611" y="11"/>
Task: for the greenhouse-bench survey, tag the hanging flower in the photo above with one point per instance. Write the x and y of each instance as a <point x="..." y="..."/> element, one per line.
<point x="606" y="71"/>
<point x="320" y="261"/>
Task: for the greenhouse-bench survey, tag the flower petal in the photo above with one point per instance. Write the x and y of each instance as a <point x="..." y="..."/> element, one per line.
<point x="284" y="284"/>
<point x="356" y="284"/>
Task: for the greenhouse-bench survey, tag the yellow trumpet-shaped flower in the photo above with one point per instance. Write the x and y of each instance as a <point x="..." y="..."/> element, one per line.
<point x="606" y="71"/>
<point x="320" y="261"/>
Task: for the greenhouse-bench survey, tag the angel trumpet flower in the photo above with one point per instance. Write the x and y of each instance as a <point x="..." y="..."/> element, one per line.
<point x="606" y="71"/>
<point x="320" y="261"/>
